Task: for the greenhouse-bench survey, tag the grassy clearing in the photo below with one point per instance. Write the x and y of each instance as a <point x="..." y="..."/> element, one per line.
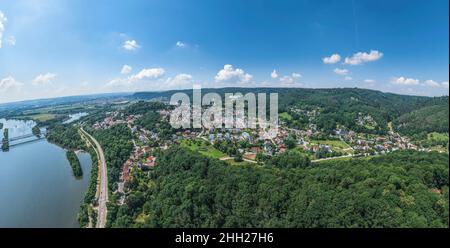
<point x="439" y="149"/>
<point x="300" y="149"/>
<point x="285" y="116"/>
<point x="141" y="218"/>
<point x="333" y="143"/>
<point x="369" y="127"/>
<point x="203" y="148"/>
<point x="336" y="145"/>
<point x="437" y="137"/>
<point x="438" y="141"/>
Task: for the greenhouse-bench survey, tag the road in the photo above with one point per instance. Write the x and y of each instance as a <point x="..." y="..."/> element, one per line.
<point x="243" y="159"/>
<point x="102" y="190"/>
<point x="345" y="156"/>
<point x="332" y="158"/>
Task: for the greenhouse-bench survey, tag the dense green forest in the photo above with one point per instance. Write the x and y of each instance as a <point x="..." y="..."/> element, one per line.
<point x="290" y="159"/>
<point x="425" y="120"/>
<point x="403" y="189"/>
<point x="153" y="122"/>
<point x="142" y="107"/>
<point x="66" y="136"/>
<point x="342" y="106"/>
<point x="117" y="145"/>
<point x="74" y="164"/>
<point x="86" y="208"/>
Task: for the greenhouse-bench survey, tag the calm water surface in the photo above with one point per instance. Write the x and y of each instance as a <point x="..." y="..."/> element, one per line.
<point x="75" y="117"/>
<point x="37" y="188"/>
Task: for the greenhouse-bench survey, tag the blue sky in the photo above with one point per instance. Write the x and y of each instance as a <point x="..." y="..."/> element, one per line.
<point x="68" y="47"/>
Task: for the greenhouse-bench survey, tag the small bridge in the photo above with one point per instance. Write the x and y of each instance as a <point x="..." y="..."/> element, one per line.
<point x="26" y="136"/>
<point x="22" y="139"/>
<point x="26" y="141"/>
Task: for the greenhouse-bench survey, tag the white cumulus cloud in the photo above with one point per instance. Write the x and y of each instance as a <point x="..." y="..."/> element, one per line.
<point x="274" y="74"/>
<point x="152" y="74"/>
<point x="404" y="81"/>
<point x="118" y="82"/>
<point x="348" y="78"/>
<point x="333" y="59"/>
<point x="289" y="80"/>
<point x="445" y="84"/>
<point x="363" y="57"/>
<point x="131" y="45"/>
<point x="145" y="74"/>
<point x="44" y="79"/>
<point x="341" y="72"/>
<point x="432" y="83"/>
<point x="126" y="69"/>
<point x="180" y="80"/>
<point x="9" y="84"/>
<point x="230" y="75"/>
<point x="180" y="44"/>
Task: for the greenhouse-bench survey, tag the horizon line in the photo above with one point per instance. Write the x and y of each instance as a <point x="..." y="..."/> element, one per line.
<point x="227" y="87"/>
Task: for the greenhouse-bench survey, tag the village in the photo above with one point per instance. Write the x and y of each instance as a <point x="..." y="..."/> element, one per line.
<point x="249" y="145"/>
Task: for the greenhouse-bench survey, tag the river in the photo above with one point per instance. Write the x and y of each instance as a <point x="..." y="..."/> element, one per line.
<point x="37" y="188"/>
<point x="75" y="117"/>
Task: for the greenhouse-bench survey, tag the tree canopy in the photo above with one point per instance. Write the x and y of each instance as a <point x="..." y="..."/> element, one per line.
<point x="403" y="189"/>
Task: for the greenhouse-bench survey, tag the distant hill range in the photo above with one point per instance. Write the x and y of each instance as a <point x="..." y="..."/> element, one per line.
<point x="40" y="103"/>
<point x="339" y="106"/>
<point x="409" y="114"/>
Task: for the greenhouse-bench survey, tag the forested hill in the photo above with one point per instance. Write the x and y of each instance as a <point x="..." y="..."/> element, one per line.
<point x="431" y="118"/>
<point x="337" y="97"/>
<point x="402" y="189"/>
<point x="341" y="106"/>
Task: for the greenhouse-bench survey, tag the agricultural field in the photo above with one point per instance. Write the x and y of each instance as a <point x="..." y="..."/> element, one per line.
<point x="41" y="117"/>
